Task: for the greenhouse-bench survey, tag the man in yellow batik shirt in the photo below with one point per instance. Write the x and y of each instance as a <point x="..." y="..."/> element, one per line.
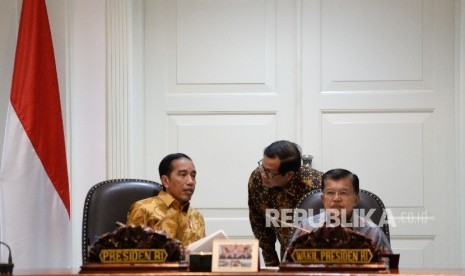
<point x="170" y="210"/>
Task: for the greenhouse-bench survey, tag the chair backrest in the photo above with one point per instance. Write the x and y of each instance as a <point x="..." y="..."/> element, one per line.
<point x="107" y="203"/>
<point x="311" y="202"/>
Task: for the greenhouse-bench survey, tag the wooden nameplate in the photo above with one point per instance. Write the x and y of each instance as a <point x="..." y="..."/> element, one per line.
<point x="379" y="267"/>
<point x="134" y="267"/>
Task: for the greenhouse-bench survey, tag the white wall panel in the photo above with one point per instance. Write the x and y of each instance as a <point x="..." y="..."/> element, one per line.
<point x="232" y="50"/>
<point x="390" y="151"/>
<point x="237" y="227"/>
<point x="235" y="220"/>
<point x="394" y="145"/>
<point x="365" y="45"/>
<point x="225" y="149"/>
<point x="414" y="251"/>
<point x="209" y="34"/>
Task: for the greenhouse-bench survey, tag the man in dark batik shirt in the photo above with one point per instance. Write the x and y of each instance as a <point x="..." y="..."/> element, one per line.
<point x="278" y="183"/>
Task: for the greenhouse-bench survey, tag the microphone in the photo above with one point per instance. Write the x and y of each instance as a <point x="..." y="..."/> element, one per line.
<point x="8" y="267"/>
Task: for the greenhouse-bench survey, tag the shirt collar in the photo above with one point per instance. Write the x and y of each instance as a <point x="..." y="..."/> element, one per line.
<point x="170" y="201"/>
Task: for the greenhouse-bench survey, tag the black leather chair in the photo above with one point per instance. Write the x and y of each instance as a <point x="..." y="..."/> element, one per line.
<point x="368" y="200"/>
<point x="108" y="202"/>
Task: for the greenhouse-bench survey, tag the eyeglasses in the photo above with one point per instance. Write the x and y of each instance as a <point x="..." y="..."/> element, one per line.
<point x="343" y="194"/>
<point x="266" y="171"/>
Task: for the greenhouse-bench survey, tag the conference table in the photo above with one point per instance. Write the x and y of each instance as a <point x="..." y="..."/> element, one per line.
<point x="262" y="272"/>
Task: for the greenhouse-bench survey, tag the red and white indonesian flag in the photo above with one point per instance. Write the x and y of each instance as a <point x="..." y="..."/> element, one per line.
<point x="34" y="199"/>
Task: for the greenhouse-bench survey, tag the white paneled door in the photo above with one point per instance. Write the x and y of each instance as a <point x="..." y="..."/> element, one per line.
<point x="378" y="98"/>
<point x="367" y="85"/>
<point x="220" y="84"/>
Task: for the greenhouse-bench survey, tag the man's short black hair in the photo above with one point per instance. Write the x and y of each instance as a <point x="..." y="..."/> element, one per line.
<point x="337" y="174"/>
<point x="165" y="167"/>
<point x="287" y="152"/>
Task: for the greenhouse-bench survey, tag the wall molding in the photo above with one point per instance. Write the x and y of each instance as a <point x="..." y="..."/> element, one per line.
<point x="125" y="93"/>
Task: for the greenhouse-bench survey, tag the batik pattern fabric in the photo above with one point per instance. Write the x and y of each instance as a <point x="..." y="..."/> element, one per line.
<point x="163" y="212"/>
<point x="261" y="198"/>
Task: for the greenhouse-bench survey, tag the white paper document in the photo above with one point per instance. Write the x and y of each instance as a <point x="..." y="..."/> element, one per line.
<point x="206" y="244"/>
